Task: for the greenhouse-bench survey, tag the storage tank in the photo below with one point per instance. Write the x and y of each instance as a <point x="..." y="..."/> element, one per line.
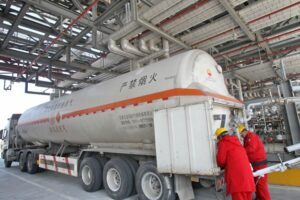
<point x="119" y="111"/>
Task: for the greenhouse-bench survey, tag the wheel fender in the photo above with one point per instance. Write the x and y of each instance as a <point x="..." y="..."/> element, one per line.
<point x="183" y="187"/>
<point x="169" y="186"/>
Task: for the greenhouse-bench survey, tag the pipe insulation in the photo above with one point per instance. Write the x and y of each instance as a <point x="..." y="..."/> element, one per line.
<point x="163" y="34"/>
<point x="112" y="46"/>
<point x="153" y="47"/>
<point x="143" y="46"/>
<point x="292" y="148"/>
<point x="296" y="88"/>
<point x="163" y="52"/>
<point x="129" y="48"/>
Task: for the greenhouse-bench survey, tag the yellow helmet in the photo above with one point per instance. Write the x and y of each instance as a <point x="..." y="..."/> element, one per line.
<point x="241" y="128"/>
<point x="220" y="131"/>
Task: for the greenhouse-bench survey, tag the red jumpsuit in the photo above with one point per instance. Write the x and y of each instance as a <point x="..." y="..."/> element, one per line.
<point x="238" y="175"/>
<point x="257" y="157"/>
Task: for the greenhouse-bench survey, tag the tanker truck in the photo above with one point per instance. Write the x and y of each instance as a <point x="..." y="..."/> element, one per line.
<point x="149" y="131"/>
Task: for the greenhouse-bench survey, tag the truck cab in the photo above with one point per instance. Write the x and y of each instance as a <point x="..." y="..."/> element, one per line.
<point x="9" y="139"/>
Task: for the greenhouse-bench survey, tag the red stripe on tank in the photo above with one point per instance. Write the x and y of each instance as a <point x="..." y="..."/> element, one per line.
<point x="164" y="95"/>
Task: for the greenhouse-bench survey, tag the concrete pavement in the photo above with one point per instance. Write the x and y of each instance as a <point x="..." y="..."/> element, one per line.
<point x="16" y="185"/>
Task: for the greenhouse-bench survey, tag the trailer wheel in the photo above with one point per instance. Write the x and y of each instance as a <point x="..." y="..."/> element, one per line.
<point x="118" y="178"/>
<point x="206" y="183"/>
<point x="102" y="160"/>
<point x="151" y="185"/>
<point x="22" y="162"/>
<point x="31" y="163"/>
<point x="7" y="163"/>
<point x="91" y="174"/>
<point x="133" y="167"/>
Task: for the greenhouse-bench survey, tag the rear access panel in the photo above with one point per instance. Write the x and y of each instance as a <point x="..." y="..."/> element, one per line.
<point x="184" y="140"/>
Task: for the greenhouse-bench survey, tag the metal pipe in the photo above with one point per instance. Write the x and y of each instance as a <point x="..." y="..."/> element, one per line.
<point x="264" y="117"/>
<point x="270" y="93"/>
<point x="166" y="47"/>
<point x="291" y="99"/>
<point x="143" y="46"/>
<point x="279" y="92"/>
<point x="296" y="88"/>
<point x="249" y="107"/>
<point x="134" y="10"/>
<point x="287" y="50"/>
<point x="233" y="84"/>
<point x="250" y="22"/>
<point x="278" y="167"/>
<point x="112" y="46"/>
<point x="243" y="48"/>
<point x="128" y="28"/>
<point x="180" y="14"/>
<point x="270" y="101"/>
<point x="162" y="33"/>
<point x="283" y="72"/>
<point x="125" y="30"/>
<point x="127" y="47"/>
<point x="153" y="28"/>
<point x="240" y="89"/>
<point x="292" y="148"/>
<point x="152" y="56"/>
<point x="157" y="54"/>
<point x="183" y="12"/>
<point x="153" y="47"/>
<point x="274" y="12"/>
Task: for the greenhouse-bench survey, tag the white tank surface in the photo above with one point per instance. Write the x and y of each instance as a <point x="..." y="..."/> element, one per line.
<point x="120" y="110"/>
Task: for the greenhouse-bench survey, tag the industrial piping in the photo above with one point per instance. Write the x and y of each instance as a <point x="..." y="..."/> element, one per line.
<point x="112" y="46"/>
<point x="129" y="48"/>
<point x="143" y="46"/>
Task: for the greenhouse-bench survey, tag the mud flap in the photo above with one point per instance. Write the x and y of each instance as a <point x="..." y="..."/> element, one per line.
<point x="183" y="187"/>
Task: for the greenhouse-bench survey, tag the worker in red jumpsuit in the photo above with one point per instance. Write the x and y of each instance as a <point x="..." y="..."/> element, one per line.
<point x="232" y="157"/>
<point x="258" y="159"/>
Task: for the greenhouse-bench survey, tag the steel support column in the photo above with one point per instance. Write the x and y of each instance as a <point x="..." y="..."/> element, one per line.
<point x="291" y="120"/>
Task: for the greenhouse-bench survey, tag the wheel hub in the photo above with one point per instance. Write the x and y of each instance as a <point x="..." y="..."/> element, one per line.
<point x="86" y="175"/>
<point x="113" y="179"/>
<point x="152" y="186"/>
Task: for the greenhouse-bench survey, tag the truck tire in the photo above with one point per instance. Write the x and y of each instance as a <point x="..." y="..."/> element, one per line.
<point x="91" y="174"/>
<point x="7" y="163"/>
<point x="205" y="183"/>
<point x="101" y="159"/>
<point x="22" y="162"/>
<point x="133" y="167"/>
<point x="118" y="179"/>
<point x="151" y="185"/>
<point x="31" y="164"/>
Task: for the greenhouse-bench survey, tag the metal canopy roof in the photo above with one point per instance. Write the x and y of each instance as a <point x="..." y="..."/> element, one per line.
<point x="66" y="41"/>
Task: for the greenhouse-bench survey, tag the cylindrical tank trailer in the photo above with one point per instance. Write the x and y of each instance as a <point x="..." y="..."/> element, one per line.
<point x="120" y="110"/>
<point x="144" y="131"/>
